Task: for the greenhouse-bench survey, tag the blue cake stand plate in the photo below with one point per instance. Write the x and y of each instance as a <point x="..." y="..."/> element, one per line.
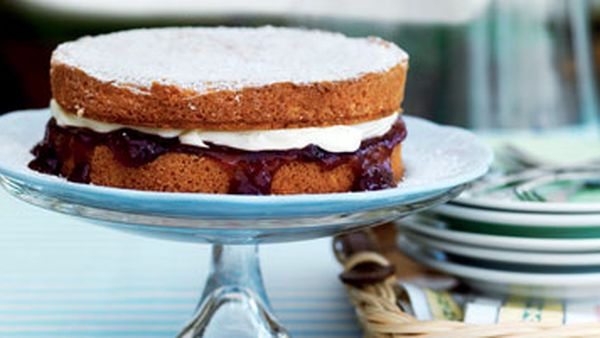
<point x="440" y="162"/>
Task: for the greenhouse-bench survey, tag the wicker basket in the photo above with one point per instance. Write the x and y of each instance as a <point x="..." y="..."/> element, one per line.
<point x="371" y="283"/>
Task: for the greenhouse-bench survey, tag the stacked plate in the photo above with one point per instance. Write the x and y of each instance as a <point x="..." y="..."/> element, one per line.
<point x="537" y="236"/>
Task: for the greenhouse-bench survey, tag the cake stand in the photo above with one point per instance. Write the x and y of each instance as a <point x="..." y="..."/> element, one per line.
<point x="440" y="161"/>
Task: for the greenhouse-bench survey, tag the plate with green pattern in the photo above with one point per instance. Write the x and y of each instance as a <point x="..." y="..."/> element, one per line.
<point x="568" y="260"/>
<point x="434" y="227"/>
<point x="550" y="283"/>
<point x="557" y="190"/>
<point x="522" y="224"/>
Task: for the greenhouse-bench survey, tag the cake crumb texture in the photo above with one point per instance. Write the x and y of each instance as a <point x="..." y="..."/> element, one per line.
<point x="178" y="172"/>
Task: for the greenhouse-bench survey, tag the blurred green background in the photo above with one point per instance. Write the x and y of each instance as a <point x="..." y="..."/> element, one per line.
<point x="475" y="63"/>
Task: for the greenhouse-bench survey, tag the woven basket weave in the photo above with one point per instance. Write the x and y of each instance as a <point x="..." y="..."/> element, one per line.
<point x="376" y="309"/>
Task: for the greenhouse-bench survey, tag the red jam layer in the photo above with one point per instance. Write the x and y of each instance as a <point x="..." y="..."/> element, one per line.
<point x="252" y="171"/>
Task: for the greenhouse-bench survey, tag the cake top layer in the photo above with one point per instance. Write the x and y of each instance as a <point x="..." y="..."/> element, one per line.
<point x="209" y="59"/>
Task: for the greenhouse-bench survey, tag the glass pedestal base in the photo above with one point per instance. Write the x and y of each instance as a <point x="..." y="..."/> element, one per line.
<point x="234" y="302"/>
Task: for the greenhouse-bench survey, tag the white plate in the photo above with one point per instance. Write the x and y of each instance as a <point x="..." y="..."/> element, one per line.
<point x="518" y="218"/>
<point x="506" y="256"/>
<point x="500" y="282"/>
<point x="437" y="229"/>
<point x="467" y="200"/>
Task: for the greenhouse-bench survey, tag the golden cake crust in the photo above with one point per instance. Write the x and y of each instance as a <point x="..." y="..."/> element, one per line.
<point x="178" y="172"/>
<point x="275" y="106"/>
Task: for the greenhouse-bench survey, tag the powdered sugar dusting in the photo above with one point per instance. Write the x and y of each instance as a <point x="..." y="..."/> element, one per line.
<point x="206" y="59"/>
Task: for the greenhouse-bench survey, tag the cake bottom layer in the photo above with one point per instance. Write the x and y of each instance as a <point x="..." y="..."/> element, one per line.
<point x="134" y="160"/>
<point x="180" y="172"/>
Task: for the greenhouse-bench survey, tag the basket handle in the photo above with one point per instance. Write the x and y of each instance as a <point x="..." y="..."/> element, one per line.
<point x="363" y="263"/>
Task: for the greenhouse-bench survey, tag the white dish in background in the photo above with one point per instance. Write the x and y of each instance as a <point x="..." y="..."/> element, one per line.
<point x="525" y="219"/>
<point x="501" y="282"/>
<point x="437" y="229"/>
<point x="506" y="256"/>
<point x="517" y="206"/>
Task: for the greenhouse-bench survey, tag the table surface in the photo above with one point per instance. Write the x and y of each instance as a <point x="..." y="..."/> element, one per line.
<point x="63" y="277"/>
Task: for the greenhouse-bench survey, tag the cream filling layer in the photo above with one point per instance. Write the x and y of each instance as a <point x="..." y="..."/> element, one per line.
<point x="335" y="139"/>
